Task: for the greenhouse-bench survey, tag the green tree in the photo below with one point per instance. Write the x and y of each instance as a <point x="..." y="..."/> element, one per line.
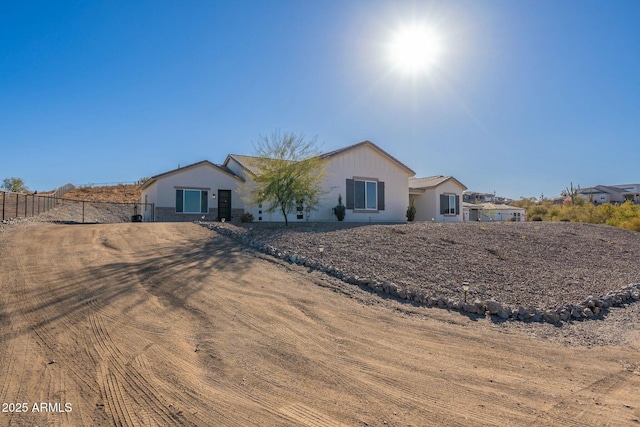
<point x="289" y="171"/>
<point x="16" y="185"/>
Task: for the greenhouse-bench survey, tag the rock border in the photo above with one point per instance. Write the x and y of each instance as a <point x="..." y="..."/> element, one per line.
<point x="591" y="308"/>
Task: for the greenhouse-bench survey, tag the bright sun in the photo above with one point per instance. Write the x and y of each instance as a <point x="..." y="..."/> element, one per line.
<point x="415" y="49"/>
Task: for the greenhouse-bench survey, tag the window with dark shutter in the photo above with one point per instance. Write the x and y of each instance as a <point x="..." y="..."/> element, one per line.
<point x="204" y="202"/>
<point x="350" y="194"/>
<point x="444" y="204"/>
<point x="457" y="212"/>
<point x="179" y="201"/>
<point x="380" y="196"/>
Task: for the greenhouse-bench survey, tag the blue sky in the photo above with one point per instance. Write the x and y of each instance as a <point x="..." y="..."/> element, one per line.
<point x="526" y="97"/>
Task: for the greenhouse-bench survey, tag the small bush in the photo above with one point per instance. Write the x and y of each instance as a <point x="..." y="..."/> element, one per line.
<point x="246" y="217"/>
<point x="340" y="210"/>
<point x="536" y="218"/>
<point x="632" y="224"/>
<point x="411" y="210"/>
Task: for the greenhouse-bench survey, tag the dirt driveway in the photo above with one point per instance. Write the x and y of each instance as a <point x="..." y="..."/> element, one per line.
<point x="170" y="324"/>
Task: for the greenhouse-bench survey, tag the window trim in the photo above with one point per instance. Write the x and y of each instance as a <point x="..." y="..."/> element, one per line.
<point x="450" y="197"/>
<point x="200" y="191"/>
<point x="365" y="209"/>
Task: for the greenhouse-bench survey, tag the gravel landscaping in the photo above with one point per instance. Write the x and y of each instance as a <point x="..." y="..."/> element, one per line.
<point x="544" y="266"/>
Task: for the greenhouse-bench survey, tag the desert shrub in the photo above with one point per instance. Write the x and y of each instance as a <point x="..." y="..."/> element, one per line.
<point x="411" y="210"/>
<point x="246" y="217"/>
<point x="538" y="211"/>
<point x="340" y="210"/>
<point x="631" y="224"/>
<point x="626" y="215"/>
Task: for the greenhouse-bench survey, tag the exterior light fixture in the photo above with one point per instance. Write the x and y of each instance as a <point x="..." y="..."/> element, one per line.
<point x="213" y="196"/>
<point x="465" y="289"/>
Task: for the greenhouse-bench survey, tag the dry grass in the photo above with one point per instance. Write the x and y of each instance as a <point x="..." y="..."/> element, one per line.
<point x="113" y="193"/>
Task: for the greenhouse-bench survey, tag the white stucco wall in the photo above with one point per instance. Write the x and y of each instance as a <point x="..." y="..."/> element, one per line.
<point x="360" y="162"/>
<point x="502" y="214"/>
<point x="236" y="167"/>
<point x="428" y="203"/>
<point x="203" y="177"/>
<point x="365" y="162"/>
<point x="152" y="193"/>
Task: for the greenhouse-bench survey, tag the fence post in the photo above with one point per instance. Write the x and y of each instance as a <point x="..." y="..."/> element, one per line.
<point x="83" y="211"/>
<point x="33" y="207"/>
<point x="25" y="205"/>
<point x="4" y="198"/>
<point x="17" y="203"/>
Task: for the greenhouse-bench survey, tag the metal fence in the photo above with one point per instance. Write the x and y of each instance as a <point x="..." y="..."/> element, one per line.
<point x="18" y="205"/>
<point x="53" y="207"/>
<point x="22" y="205"/>
<point x="96" y="212"/>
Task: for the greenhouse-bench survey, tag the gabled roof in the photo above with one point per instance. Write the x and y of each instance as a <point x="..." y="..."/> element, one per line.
<point x="492" y="206"/>
<point x="246" y="162"/>
<point x="598" y="189"/>
<point x="432" y="181"/>
<point x="342" y="150"/>
<point x="221" y="168"/>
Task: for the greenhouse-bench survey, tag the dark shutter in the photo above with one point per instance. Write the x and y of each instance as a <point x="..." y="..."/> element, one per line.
<point x="380" y="196"/>
<point x="457" y="205"/>
<point x="444" y="204"/>
<point x="204" y="202"/>
<point x="179" y="201"/>
<point x="349" y="194"/>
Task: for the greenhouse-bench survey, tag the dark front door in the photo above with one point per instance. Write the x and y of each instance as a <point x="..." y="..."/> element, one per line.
<point x="224" y="205"/>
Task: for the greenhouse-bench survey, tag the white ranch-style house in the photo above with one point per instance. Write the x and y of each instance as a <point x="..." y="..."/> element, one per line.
<point x="374" y="185"/>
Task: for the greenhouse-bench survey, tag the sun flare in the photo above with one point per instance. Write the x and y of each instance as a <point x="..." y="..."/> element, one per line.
<point x="415" y="49"/>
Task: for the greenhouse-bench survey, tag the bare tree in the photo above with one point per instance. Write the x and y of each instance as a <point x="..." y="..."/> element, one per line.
<point x="571" y="192"/>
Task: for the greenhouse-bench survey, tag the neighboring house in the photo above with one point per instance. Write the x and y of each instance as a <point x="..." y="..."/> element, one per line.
<point x="192" y="192"/>
<point x="493" y="212"/>
<point x="602" y="194"/>
<point x="475" y="197"/>
<point x="630" y="191"/>
<point x="561" y="200"/>
<point x="437" y="198"/>
<point x="373" y="185"/>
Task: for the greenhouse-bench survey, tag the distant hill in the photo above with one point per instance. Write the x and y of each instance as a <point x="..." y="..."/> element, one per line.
<point x="112" y="193"/>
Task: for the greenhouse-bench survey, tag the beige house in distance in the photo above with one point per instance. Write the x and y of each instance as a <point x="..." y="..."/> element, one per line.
<point x="493" y="212"/>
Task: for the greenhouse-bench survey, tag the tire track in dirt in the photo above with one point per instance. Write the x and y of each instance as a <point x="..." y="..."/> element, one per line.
<point x="113" y="397"/>
<point x="170" y="334"/>
<point x="308" y="416"/>
<point x="121" y="372"/>
<point x="570" y="412"/>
